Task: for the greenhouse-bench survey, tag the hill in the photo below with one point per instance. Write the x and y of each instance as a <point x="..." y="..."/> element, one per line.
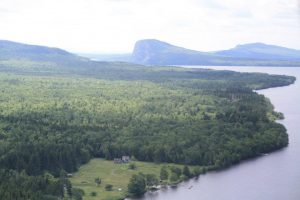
<point x="155" y="52"/>
<point x="17" y="51"/>
<point x="262" y="51"/>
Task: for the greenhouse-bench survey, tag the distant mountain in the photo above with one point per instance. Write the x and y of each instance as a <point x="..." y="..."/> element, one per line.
<point x="262" y="51"/>
<point x="13" y="50"/>
<point x="155" y="52"/>
<point x="32" y="59"/>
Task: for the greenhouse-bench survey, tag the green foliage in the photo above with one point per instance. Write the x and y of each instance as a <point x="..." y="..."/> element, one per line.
<point x="55" y="117"/>
<point x="77" y="193"/>
<point x="98" y="181"/>
<point x="108" y="187"/>
<point x="151" y="180"/>
<point x="132" y="166"/>
<point x="93" y="194"/>
<point x="174" y="178"/>
<point x="164" y="175"/>
<point x="186" y="171"/>
<point x="197" y="171"/>
<point x="15" y="185"/>
<point x="68" y="187"/>
<point x="176" y="170"/>
<point x="137" y="185"/>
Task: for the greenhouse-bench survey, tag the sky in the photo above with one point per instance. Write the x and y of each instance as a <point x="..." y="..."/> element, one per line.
<point x="113" y="26"/>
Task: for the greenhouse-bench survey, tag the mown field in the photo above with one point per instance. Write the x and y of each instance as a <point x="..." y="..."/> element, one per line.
<point x="117" y="175"/>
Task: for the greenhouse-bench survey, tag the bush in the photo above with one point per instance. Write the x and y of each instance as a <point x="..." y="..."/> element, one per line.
<point x="132" y="166"/>
<point x="164" y="175"/>
<point x="186" y="172"/>
<point x="197" y="171"/>
<point x="137" y="185"/>
<point x="108" y="187"/>
<point x="77" y="193"/>
<point x="151" y="180"/>
<point x="176" y="170"/>
<point x="93" y="194"/>
<point x="98" y="181"/>
<point x="174" y="178"/>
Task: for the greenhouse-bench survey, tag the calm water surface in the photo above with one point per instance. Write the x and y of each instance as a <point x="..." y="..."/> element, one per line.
<point x="272" y="177"/>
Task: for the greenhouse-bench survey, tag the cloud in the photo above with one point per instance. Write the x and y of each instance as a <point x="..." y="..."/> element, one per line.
<point x="115" y="25"/>
<point x="298" y="7"/>
<point x="243" y="14"/>
<point x="3" y="10"/>
<point x="213" y="4"/>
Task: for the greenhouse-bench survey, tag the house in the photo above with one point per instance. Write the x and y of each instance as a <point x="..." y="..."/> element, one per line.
<point x="125" y="159"/>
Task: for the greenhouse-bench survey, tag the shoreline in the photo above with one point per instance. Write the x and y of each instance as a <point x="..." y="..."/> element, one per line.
<point x="216" y="169"/>
<point x="161" y="187"/>
<point x="243" y="160"/>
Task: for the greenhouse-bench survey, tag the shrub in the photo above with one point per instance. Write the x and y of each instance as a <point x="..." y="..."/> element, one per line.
<point x="93" y="194"/>
<point x="132" y="166"/>
<point x="108" y="187"/>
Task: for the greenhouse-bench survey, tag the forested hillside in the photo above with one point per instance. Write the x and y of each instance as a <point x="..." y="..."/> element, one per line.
<point x="56" y="116"/>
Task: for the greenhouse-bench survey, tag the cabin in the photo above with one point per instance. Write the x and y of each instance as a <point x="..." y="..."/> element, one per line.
<point x="124" y="159"/>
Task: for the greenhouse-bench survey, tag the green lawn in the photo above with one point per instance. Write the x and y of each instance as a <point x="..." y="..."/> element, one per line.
<point x="117" y="175"/>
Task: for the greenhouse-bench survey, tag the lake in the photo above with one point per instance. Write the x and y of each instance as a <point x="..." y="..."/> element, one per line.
<point x="275" y="176"/>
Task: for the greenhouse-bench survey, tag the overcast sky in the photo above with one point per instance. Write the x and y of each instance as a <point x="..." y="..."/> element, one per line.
<point x="114" y="25"/>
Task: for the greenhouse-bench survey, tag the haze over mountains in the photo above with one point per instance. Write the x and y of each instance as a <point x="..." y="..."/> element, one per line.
<point x="155" y="52"/>
<point x="34" y="59"/>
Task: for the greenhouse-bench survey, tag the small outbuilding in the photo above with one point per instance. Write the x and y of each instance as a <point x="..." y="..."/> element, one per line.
<point x="124" y="159"/>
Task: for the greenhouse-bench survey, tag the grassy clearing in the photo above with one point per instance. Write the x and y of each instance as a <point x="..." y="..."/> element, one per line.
<point x="117" y="175"/>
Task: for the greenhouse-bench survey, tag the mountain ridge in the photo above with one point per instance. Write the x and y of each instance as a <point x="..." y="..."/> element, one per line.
<point x="15" y="50"/>
<point x="155" y="52"/>
<point x="159" y="53"/>
<point x="262" y="51"/>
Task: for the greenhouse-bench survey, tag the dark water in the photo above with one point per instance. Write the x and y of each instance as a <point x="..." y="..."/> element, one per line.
<point x="272" y="177"/>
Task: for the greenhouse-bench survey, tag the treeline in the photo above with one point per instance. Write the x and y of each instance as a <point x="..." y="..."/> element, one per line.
<point x="140" y="183"/>
<point x="39" y="157"/>
<point x="20" y="186"/>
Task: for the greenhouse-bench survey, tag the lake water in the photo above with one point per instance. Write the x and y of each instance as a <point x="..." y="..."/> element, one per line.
<point x="272" y="177"/>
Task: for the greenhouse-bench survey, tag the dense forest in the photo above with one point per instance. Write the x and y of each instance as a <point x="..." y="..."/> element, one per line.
<point x="56" y="116"/>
